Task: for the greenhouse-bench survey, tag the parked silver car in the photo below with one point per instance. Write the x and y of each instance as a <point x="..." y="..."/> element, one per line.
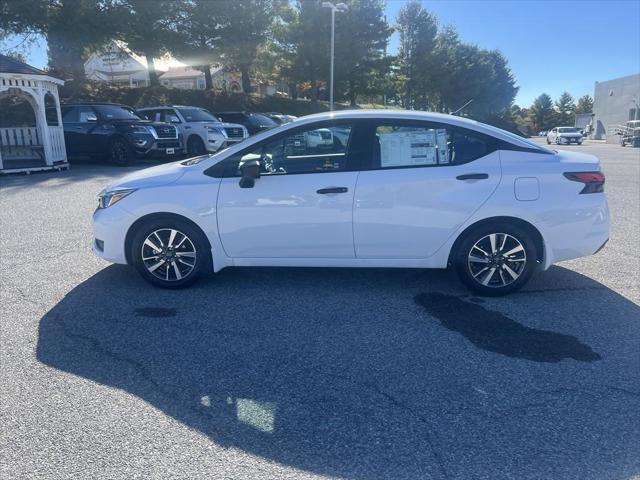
<point x="564" y="135"/>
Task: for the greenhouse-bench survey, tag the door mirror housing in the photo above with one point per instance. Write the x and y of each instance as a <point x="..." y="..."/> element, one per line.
<point x="250" y="173"/>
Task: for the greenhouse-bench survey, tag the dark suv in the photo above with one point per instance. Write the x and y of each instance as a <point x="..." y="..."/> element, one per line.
<point x="115" y="132"/>
<point x="254" y="122"/>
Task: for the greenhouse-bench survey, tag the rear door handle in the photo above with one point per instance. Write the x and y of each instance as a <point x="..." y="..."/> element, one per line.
<point x="324" y="191"/>
<point x="473" y="176"/>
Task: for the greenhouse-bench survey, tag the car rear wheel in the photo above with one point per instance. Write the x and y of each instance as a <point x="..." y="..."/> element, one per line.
<point x="495" y="260"/>
<point x="120" y="153"/>
<point x="548" y="142"/>
<point x="195" y="146"/>
<point x="170" y="253"/>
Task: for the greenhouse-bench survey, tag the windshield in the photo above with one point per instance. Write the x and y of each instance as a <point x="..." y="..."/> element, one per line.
<point x="568" y="130"/>
<point x="197" y="115"/>
<point x="116" y="112"/>
<point x="261" y="120"/>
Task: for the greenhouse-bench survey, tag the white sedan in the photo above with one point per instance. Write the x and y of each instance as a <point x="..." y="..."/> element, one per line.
<point x="564" y="135"/>
<point x="407" y="189"/>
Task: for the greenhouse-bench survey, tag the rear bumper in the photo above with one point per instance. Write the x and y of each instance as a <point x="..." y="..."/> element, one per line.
<point x="577" y="230"/>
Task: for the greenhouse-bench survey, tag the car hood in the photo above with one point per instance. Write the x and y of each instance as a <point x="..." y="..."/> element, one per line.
<point x="230" y="125"/>
<point x="150" y="177"/>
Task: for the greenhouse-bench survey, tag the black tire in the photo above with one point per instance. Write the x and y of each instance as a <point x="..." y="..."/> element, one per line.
<point x="195" y="146"/>
<point x="470" y="272"/>
<point x="186" y="276"/>
<point x="120" y="152"/>
<point x="548" y="142"/>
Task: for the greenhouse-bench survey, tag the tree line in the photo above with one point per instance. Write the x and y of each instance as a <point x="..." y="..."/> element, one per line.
<point x="544" y="113"/>
<point x="282" y="41"/>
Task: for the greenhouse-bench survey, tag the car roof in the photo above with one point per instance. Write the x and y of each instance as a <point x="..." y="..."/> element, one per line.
<point x="76" y="104"/>
<point x="170" y="106"/>
<point x="382" y="114"/>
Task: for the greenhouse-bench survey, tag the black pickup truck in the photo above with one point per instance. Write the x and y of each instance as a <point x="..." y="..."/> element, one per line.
<point x="116" y="133"/>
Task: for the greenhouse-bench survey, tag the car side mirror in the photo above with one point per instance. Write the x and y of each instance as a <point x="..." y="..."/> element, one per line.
<point x="250" y="172"/>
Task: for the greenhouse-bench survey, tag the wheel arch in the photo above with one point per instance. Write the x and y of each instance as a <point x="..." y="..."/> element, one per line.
<point x="537" y="237"/>
<point x="140" y="222"/>
<point x="195" y="135"/>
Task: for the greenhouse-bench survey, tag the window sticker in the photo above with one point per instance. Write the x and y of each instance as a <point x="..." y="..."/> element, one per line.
<point x="443" y="151"/>
<point x="408" y="148"/>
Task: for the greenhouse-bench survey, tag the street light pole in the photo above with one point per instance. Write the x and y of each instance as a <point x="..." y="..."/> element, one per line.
<point x="340" y="7"/>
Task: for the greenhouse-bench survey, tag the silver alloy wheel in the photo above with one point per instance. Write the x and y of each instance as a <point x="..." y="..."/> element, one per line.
<point x="497" y="260"/>
<point x="168" y="254"/>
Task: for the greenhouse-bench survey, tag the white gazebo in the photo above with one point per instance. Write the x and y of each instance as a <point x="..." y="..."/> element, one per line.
<point x="33" y="140"/>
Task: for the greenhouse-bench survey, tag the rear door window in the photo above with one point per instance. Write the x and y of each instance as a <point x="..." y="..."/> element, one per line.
<point x="405" y="145"/>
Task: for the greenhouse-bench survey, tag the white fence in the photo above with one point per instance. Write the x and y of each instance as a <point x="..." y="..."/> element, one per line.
<point x="24" y="136"/>
<point x="56" y="140"/>
<point x="26" y="143"/>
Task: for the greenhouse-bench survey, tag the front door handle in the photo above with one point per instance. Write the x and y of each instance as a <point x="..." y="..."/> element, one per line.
<point x="324" y="191"/>
<point x="473" y="176"/>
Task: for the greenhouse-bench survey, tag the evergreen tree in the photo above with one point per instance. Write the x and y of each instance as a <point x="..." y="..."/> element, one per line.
<point x="585" y="104"/>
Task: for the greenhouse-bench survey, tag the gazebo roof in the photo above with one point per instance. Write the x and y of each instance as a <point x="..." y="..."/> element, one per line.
<point x="10" y="65"/>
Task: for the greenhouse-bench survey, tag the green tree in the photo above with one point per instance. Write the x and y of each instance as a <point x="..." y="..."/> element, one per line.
<point x="149" y="28"/>
<point x="566" y="107"/>
<point x="72" y="28"/>
<point x="418" y="29"/>
<point x="249" y="24"/>
<point x="542" y="113"/>
<point x="362" y="33"/>
<point x="585" y="104"/>
<point x="198" y="39"/>
<point x="306" y="43"/>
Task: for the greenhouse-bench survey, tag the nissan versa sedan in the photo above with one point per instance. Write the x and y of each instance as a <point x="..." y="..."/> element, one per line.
<point x="395" y="189"/>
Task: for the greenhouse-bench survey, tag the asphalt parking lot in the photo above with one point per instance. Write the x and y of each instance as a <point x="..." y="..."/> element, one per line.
<point x="301" y="373"/>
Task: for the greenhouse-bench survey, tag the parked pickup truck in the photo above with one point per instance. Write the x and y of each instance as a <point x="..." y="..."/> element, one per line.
<point x="115" y="132"/>
<point x="629" y="133"/>
<point x="202" y="132"/>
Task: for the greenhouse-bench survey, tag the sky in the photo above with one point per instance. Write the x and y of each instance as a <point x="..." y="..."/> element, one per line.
<point x="551" y="45"/>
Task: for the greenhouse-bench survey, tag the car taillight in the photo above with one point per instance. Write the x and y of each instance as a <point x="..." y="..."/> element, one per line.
<point x="593" y="181"/>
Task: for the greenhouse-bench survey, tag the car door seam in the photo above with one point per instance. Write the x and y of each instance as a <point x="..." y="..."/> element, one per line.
<point x="353" y="207"/>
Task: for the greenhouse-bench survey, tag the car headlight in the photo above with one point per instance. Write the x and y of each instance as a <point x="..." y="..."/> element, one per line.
<point x="141" y="129"/>
<point x="217" y="130"/>
<point x="108" y="198"/>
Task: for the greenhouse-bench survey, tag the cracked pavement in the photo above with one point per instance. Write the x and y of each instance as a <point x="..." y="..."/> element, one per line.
<point x="310" y="373"/>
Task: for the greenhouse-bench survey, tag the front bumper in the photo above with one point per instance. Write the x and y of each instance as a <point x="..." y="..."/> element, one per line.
<point x="110" y="226"/>
<point x="149" y="146"/>
<point x="567" y="140"/>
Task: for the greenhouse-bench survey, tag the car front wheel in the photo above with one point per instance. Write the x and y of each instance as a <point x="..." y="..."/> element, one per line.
<point x="195" y="146"/>
<point x="120" y="153"/>
<point x="170" y="254"/>
<point x="495" y="260"/>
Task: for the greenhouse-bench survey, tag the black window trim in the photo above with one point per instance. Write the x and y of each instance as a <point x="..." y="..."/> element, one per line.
<point x="218" y="170"/>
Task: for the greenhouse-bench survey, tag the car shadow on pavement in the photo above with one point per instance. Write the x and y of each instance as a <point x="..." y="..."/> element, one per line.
<point x="369" y="374"/>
